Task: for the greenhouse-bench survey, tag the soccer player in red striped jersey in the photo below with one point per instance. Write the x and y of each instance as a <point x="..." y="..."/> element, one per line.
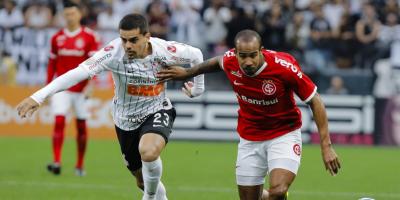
<point x="269" y="120"/>
<point x="69" y="47"/>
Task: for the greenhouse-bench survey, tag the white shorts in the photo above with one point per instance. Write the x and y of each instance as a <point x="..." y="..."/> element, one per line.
<point x="257" y="158"/>
<point x="61" y="103"/>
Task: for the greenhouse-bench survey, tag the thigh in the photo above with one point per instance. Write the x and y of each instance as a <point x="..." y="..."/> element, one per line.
<point x="79" y="103"/>
<point x="285" y="152"/>
<point x="60" y="103"/>
<point x="251" y="162"/>
<point x="160" y="123"/>
<point x="129" y="144"/>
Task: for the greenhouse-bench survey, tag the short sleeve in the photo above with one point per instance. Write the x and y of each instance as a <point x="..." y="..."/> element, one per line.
<point x="183" y="53"/>
<point x="301" y="84"/>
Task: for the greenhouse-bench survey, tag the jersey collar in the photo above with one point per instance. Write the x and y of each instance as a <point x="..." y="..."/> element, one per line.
<point x="72" y="33"/>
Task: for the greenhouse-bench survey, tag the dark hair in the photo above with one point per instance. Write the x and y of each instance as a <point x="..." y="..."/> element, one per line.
<point x="70" y="4"/>
<point x="247" y="35"/>
<point x="134" y="21"/>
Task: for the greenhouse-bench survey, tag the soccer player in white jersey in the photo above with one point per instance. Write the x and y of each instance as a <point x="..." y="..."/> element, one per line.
<point x="142" y="113"/>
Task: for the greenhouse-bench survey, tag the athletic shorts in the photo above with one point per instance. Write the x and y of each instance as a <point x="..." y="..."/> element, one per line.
<point x="160" y="122"/>
<point x="257" y="158"/>
<point x="62" y="102"/>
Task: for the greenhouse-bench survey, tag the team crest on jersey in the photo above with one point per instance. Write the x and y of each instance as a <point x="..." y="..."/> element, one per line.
<point x="297" y="149"/>
<point x="108" y="48"/>
<point x="60" y="40"/>
<point x="171" y="49"/>
<point x="269" y="87"/>
<point x="79" y="43"/>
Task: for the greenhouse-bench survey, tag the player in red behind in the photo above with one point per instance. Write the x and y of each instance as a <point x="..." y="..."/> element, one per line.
<point x="269" y="121"/>
<point x="69" y="47"/>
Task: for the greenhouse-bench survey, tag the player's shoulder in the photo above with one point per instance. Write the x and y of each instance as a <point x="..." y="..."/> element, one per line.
<point x="58" y="33"/>
<point x="88" y="31"/>
<point x="279" y="58"/>
<point x="229" y="58"/>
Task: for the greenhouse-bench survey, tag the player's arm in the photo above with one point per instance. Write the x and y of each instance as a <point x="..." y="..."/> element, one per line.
<point x="29" y="105"/>
<point x="180" y="73"/>
<point x="330" y="158"/>
<point x="195" y="88"/>
<point x="89" y="68"/>
<point x="51" y="65"/>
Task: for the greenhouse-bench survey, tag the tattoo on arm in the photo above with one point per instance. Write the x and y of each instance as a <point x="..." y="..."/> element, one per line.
<point x="210" y="65"/>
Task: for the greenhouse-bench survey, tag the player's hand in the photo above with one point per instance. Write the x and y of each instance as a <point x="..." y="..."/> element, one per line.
<point x="187" y="88"/>
<point x="172" y="72"/>
<point x="27" y="107"/>
<point x="331" y="160"/>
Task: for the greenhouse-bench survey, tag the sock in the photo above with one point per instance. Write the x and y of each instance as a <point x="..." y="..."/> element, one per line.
<point x="161" y="192"/>
<point x="58" y="138"/>
<point x="81" y="140"/>
<point x="151" y="177"/>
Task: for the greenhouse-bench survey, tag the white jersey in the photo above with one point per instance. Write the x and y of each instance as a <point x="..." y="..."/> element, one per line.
<point x="138" y="93"/>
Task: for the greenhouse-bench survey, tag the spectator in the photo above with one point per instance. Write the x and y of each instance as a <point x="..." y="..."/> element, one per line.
<point x="215" y="18"/>
<point x="297" y="33"/>
<point x="274" y="25"/>
<point x="158" y="15"/>
<point x="318" y="54"/>
<point x="345" y="42"/>
<point x="240" y="20"/>
<point x="186" y="22"/>
<point x="108" y="19"/>
<point x="337" y="86"/>
<point x="38" y="15"/>
<point x="10" y="15"/>
<point x="367" y="29"/>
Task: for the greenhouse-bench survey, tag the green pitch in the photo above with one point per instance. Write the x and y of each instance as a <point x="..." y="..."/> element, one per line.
<point x="192" y="171"/>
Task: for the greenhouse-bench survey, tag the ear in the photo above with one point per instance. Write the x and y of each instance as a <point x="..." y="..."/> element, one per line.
<point x="147" y="35"/>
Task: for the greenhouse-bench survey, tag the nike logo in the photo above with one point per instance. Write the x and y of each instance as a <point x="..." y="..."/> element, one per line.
<point x="237" y="83"/>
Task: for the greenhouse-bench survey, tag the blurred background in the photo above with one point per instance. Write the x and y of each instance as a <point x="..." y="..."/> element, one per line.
<point x="349" y="48"/>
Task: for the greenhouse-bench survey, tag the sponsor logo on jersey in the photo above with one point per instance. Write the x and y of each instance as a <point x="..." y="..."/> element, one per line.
<point x="171" y="49"/>
<point x="289" y="65"/>
<point x="145" y="90"/>
<point x="92" y="64"/>
<point x="235" y="82"/>
<point x="261" y="102"/>
<point x="108" y="48"/>
<point x="60" y="40"/>
<point x="237" y="73"/>
<point x="269" y="87"/>
<point x="71" y="52"/>
<point x="297" y="149"/>
<point x="180" y="59"/>
<point x="79" y="43"/>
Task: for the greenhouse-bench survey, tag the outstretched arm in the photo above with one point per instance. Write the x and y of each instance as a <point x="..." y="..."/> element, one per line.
<point x="180" y="73"/>
<point x="29" y="105"/>
<point x="329" y="156"/>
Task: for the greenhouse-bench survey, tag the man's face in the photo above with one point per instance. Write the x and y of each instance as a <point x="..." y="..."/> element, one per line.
<point x="248" y="56"/>
<point x="134" y="42"/>
<point x="72" y="16"/>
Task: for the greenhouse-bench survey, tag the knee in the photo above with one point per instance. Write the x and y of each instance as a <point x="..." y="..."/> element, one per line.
<point x="149" y="153"/>
<point x="278" y="191"/>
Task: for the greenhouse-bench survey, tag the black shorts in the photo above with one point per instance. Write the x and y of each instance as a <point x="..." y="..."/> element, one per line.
<point x="160" y="122"/>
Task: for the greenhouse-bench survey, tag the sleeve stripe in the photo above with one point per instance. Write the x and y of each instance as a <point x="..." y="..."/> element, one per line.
<point x="53" y="56"/>
<point x="311" y="95"/>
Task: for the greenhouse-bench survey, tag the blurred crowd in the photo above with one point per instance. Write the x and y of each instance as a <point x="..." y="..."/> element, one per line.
<point x="334" y="40"/>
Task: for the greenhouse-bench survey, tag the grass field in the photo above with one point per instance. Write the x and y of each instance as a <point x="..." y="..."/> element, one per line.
<point x="192" y="171"/>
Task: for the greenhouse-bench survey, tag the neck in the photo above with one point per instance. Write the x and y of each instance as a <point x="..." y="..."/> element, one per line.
<point x="74" y="27"/>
